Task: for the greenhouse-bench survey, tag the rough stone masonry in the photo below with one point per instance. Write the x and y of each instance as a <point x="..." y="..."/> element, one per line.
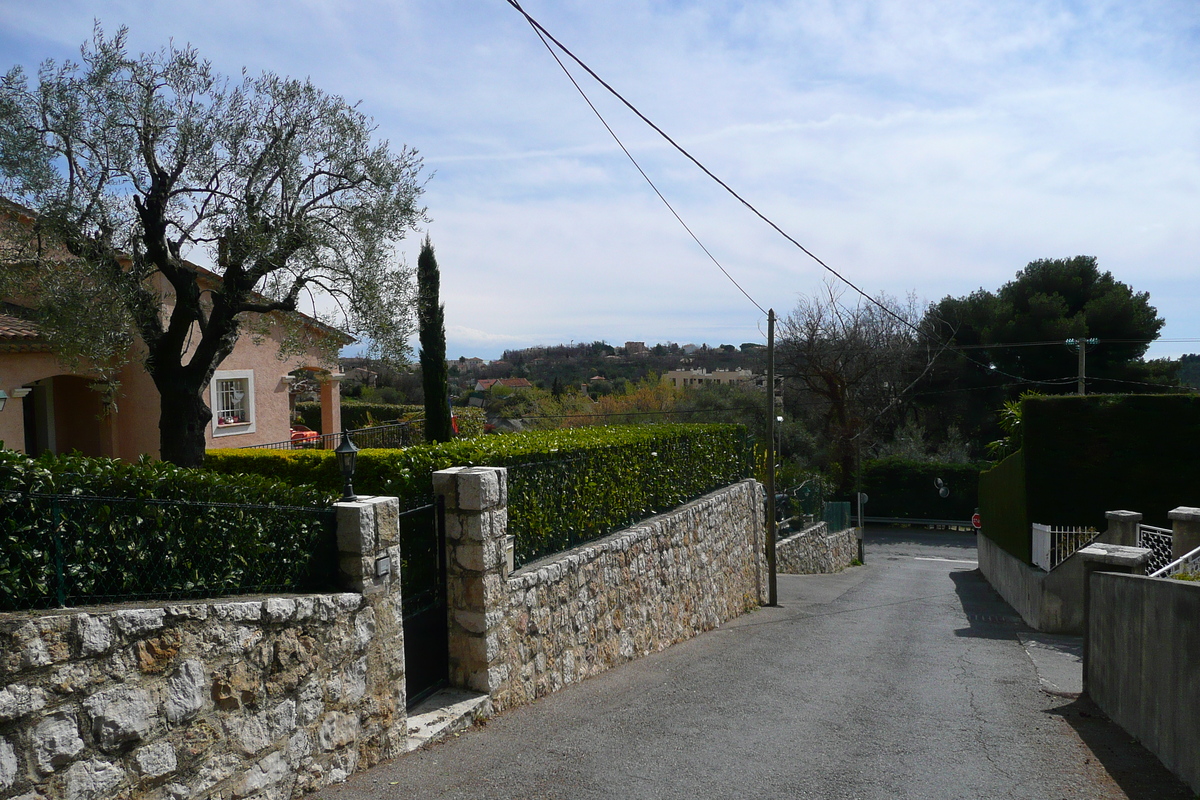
<point x="263" y="698"/>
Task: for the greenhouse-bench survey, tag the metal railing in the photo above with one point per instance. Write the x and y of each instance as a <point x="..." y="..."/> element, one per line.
<point x="1159" y="541"/>
<point x="59" y="550"/>
<point x="837" y="515"/>
<point x="1188" y="563"/>
<point x="1054" y="544"/>
<point x="400" y="434"/>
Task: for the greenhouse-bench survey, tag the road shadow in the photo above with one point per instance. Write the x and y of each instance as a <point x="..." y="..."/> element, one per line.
<point x="988" y="616"/>
<point x="1135" y="769"/>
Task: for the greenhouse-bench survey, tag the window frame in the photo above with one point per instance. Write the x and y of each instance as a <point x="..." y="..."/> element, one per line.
<point x="214" y="388"/>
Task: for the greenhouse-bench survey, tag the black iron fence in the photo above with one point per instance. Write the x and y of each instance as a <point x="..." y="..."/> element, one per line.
<point x="59" y="550"/>
<point x="400" y="434"/>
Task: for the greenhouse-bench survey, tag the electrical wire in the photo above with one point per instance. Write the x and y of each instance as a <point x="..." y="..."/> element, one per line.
<point x="537" y="29"/>
<point x="543" y="34"/>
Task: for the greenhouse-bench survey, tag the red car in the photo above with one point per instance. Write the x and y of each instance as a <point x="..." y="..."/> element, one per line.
<point x="302" y="436"/>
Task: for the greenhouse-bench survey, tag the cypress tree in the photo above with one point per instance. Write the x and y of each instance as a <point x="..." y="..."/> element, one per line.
<point x="431" y="318"/>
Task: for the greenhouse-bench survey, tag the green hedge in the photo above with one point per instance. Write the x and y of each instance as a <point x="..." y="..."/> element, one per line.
<point x="150" y="529"/>
<point x="897" y="487"/>
<point x="362" y="415"/>
<point x="566" y="485"/>
<point x="1002" y="506"/>
<point x="1088" y="455"/>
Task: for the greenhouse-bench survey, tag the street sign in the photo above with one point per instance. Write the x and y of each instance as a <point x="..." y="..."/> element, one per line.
<point x="976" y="521"/>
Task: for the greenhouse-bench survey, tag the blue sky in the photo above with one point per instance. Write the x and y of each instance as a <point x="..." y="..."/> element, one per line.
<point x="918" y="147"/>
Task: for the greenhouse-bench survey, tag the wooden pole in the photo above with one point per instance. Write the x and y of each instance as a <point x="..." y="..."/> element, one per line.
<point x="772" y="590"/>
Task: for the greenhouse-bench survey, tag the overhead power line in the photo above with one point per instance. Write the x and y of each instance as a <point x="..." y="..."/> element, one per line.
<point x="541" y="34"/>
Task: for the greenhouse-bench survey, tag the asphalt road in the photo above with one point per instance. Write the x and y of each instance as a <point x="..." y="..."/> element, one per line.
<point x="902" y="678"/>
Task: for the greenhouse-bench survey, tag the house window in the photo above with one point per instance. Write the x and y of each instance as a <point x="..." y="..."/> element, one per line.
<point x="233" y="402"/>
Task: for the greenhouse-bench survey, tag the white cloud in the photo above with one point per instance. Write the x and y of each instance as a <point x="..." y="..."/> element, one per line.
<point x="934" y="146"/>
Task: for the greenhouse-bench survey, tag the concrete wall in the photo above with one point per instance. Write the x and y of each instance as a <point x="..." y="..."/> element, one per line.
<point x="269" y="697"/>
<point x="521" y="636"/>
<point x="816" y="550"/>
<point x="1051" y="602"/>
<point x="1143" y="664"/>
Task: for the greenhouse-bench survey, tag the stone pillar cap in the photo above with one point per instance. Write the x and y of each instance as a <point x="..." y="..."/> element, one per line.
<point x="1116" y="554"/>
<point x="1185" y="514"/>
<point x="1131" y="516"/>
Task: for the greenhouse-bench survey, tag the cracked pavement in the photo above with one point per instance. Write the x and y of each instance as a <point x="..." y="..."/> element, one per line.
<point x="903" y="678"/>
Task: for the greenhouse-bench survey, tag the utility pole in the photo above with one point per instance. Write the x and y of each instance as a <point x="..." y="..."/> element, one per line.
<point x="772" y="589"/>
<point x="1082" y="345"/>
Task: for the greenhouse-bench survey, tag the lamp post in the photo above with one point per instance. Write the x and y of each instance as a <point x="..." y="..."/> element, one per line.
<point x="347" y="456"/>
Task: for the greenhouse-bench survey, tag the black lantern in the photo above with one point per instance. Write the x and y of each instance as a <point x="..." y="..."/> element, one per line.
<point x="347" y="456"/>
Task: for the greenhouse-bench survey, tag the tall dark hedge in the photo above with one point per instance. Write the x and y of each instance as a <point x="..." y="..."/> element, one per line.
<point x="896" y="487"/>
<point x="431" y="315"/>
<point x="1088" y="455"/>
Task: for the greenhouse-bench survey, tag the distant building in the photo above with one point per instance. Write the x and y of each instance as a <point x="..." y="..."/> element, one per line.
<point x="467" y="366"/>
<point x="700" y="377"/>
<point x="636" y="349"/>
<point x="690" y="349"/>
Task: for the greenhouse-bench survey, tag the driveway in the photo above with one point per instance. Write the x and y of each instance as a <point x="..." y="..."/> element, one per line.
<point x="903" y="678"/>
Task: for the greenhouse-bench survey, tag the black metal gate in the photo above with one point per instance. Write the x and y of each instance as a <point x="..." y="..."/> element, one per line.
<point x="423" y="599"/>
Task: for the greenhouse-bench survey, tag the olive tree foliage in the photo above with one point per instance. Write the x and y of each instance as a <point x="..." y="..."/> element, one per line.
<point x="134" y="164"/>
<point x="847" y="367"/>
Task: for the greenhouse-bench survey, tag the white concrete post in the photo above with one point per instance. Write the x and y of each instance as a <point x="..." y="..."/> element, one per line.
<point x="476" y="568"/>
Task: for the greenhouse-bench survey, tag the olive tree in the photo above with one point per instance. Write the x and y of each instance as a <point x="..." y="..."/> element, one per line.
<point x="136" y="165"/>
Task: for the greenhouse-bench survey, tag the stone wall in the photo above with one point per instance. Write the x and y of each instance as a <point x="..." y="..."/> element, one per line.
<point x="816" y="550"/>
<point x="552" y="623"/>
<point x="250" y="698"/>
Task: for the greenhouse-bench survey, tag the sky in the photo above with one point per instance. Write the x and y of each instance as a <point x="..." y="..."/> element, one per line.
<point x="920" y="147"/>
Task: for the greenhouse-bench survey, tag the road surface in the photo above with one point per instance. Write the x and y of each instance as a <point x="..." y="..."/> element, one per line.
<point x="903" y="678"/>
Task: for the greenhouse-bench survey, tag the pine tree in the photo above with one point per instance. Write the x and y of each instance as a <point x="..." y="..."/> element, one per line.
<point x="431" y="317"/>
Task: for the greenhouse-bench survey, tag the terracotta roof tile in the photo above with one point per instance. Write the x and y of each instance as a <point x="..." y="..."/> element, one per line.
<point x="15" y="329"/>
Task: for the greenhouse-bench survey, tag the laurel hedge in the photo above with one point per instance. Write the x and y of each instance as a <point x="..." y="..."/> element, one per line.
<point x="79" y="530"/>
<point x="565" y="486"/>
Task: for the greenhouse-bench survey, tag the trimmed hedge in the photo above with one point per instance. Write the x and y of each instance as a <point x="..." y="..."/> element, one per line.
<point x="1088" y="455"/>
<point x="355" y="415"/>
<point x="566" y="485"/>
<point x="897" y="487"/>
<point x="151" y="529"/>
<point x="1002" y="507"/>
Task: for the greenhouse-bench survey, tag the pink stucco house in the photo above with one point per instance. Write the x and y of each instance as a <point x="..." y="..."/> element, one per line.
<point x="50" y="407"/>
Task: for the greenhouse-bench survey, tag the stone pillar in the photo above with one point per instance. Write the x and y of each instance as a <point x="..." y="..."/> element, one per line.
<point x="331" y="403"/>
<point x="476" y="531"/>
<point x="1122" y="527"/>
<point x="368" y="533"/>
<point x="1185" y="527"/>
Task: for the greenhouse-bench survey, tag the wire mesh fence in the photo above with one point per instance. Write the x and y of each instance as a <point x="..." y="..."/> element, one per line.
<point x="836" y="514"/>
<point x="59" y="550"/>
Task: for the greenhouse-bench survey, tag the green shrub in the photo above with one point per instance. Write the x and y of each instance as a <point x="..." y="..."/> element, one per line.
<point x="150" y="529"/>
<point x="565" y="486"/>
<point x="356" y="414"/>
<point x="897" y="487"/>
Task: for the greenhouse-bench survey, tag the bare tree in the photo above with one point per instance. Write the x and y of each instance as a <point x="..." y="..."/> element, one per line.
<point x="847" y="366"/>
<point x="135" y="163"/>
